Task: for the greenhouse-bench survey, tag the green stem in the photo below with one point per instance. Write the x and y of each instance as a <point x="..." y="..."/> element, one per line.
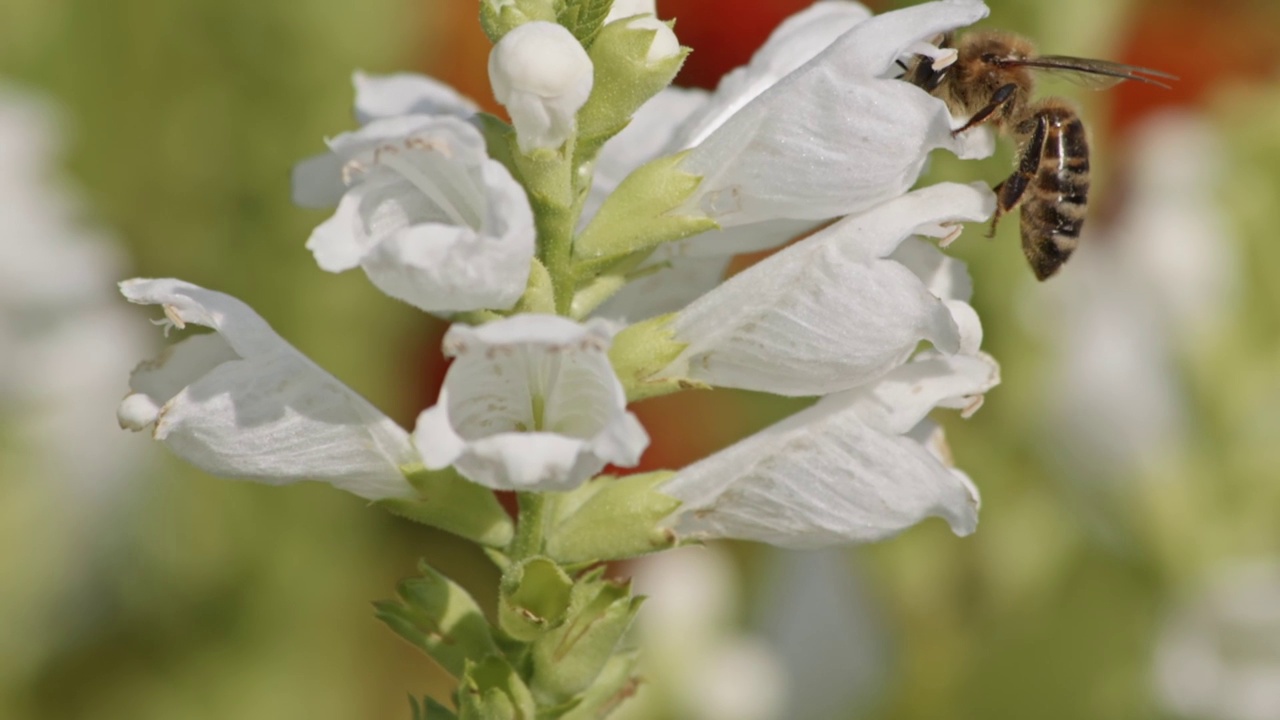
<point x="531" y="525"/>
<point x="555" y="228"/>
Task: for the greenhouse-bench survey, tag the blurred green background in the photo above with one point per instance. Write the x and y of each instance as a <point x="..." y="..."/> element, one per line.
<point x="165" y="593"/>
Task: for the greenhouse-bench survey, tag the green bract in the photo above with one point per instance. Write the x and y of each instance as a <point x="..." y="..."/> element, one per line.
<point x="437" y="615"/>
<point x="450" y="502"/>
<point x="567" y="660"/>
<point x="611" y="518"/>
<point x="636" y="217"/>
<point x="533" y="598"/>
<point x="625" y="78"/>
<point x="498" y="17"/>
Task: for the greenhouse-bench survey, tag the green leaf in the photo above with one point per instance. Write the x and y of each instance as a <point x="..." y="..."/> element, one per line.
<point x="584" y="18"/>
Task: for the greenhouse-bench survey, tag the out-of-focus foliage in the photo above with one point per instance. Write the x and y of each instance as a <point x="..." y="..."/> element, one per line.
<point x="197" y="597"/>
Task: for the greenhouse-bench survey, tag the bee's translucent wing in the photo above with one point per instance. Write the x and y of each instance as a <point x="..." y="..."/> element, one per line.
<point x="1097" y="74"/>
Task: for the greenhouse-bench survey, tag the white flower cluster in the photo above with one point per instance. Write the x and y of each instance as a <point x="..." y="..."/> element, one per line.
<point x="815" y="134"/>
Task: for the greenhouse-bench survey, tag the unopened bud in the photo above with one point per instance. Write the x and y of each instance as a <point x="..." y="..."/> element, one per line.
<point x="541" y="74"/>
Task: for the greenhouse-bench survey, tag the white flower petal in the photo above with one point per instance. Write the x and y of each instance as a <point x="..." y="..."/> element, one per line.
<point x="830" y="312"/>
<point x="381" y="96"/>
<point x="834" y="136"/>
<point x="945" y="276"/>
<point x="244" y="403"/>
<point x="843" y="470"/>
<point x="430" y="218"/>
<point x="530" y="403"/>
<point x="629" y="8"/>
<point x="793" y="43"/>
<point x="542" y="76"/>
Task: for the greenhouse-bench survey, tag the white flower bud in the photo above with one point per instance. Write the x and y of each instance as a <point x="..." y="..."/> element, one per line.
<point x="541" y="74"/>
<point x="665" y="45"/>
<point x="629" y="8"/>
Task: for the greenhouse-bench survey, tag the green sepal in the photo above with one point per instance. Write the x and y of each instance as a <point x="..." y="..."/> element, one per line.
<point x="533" y="598"/>
<point x="616" y="682"/>
<point x="637" y="215"/>
<point x="584" y="18"/>
<point x="624" y="80"/>
<point x="451" y="502"/>
<point x="499" y="17"/>
<point x="429" y="709"/>
<point x="539" y="294"/>
<point x="612" y="518"/>
<point x="491" y="690"/>
<point x="435" y="614"/>
<point x="644" y="349"/>
<point x="567" y="660"/>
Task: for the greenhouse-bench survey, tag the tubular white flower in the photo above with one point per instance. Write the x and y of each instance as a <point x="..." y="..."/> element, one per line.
<point x="428" y="216"/>
<point x="244" y="403"/>
<point x="542" y="76"/>
<point x="835" y="310"/>
<point x="858" y="466"/>
<point x="530" y="403"/>
<point x="318" y="181"/>
<point x="837" y="135"/>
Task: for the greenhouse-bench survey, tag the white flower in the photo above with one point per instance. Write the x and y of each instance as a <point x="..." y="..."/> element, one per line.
<point x="242" y="402"/>
<point x="1218" y="654"/>
<point x="541" y="74"/>
<point x="670" y="123"/>
<point x="530" y="403"/>
<point x="835" y="310"/>
<point x="428" y="216"/>
<point x="858" y="466"/>
<point x="837" y="134"/>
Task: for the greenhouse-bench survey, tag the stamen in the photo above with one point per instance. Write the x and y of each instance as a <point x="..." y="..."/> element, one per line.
<point x="426" y="184"/>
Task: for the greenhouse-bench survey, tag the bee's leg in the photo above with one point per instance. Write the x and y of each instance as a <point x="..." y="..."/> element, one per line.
<point x="1009" y="193"/>
<point x="998" y="99"/>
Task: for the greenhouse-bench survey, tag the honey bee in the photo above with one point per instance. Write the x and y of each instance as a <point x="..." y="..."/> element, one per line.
<point x="991" y="81"/>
